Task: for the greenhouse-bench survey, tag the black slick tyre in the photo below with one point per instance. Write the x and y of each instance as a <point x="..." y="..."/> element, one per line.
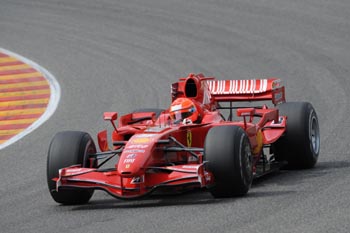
<point x="300" y="145"/>
<point x="69" y="148"/>
<point x="228" y="152"/>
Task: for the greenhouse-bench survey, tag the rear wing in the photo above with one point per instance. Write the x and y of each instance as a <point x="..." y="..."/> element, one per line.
<point x="247" y="90"/>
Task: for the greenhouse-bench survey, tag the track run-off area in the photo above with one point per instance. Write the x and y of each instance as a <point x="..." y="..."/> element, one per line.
<point x="119" y="56"/>
<point x="29" y="94"/>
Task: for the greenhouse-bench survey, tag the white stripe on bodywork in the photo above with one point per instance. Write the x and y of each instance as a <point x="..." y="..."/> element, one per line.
<point x="229" y="87"/>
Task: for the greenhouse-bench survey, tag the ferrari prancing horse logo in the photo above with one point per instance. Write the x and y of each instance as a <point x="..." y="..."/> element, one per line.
<point x="189" y="138"/>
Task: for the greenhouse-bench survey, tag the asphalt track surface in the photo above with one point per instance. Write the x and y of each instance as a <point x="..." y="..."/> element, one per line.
<point x="120" y="55"/>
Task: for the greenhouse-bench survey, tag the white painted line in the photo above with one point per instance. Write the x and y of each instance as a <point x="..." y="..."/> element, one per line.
<point x="55" y="96"/>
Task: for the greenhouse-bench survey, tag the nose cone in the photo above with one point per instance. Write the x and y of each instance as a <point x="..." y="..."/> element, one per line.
<point x="131" y="163"/>
<point x="136" y="154"/>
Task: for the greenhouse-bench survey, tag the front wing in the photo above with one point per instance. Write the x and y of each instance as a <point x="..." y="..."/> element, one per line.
<point x="133" y="186"/>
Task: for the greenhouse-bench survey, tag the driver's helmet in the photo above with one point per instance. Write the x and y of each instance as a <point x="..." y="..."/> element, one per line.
<point x="183" y="110"/>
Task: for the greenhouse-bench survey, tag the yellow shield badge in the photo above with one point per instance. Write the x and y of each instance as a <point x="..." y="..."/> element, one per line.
<point x="189" y="138"/>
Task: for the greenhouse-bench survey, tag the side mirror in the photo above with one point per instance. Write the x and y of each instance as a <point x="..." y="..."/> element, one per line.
<point x="102" y="141"/>
<point x="246" y="112"/>
<point x="111" y="116"/>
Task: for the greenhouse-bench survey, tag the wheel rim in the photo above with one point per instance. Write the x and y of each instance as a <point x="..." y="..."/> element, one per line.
<point x="315" y="135"/>
<point x="89" y="149"/>
<point x="248" y="162"/>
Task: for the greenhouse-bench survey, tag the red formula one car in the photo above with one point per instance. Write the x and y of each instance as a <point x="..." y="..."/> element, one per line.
<point x="189" y="145"/>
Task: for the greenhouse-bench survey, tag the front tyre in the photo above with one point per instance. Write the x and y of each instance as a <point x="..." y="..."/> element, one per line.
<point x="66" y="149"/>
<point x="228" y="152"/>
<point x="300" y="145"/>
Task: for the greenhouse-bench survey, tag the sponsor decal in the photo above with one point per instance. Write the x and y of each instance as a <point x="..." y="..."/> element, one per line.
<point x="189" y="167"/>
<point x="131" y="156"/>
<point x="136" y="146"/>
<point x="134" y="151"/>
<point x="141" y="140"/>
<point x="278" y="96"/>
<point x="71" y="171"/>
<point x="129" y="160"/>
<point x="207" y="176"/>
<point x="260" y="144"/>
<point x="137" y="180"/>
<point x="279" y="123"/>
<point x="155" y="129"/>
<point x="276" y="84"/>
<point x="74" y="170"/>
<point x="189" y="138"/>
<point x="127" y="166"/>
<point x="144" y="135"/>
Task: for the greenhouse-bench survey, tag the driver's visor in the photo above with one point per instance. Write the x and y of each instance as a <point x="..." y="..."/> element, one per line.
<point x="182" y="114"/>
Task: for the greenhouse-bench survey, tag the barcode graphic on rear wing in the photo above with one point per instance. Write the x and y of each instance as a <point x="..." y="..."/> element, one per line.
<point x="230" y="87"/>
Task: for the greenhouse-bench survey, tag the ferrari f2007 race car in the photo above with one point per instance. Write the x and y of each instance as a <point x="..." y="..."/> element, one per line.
<point x="189" y="145"/>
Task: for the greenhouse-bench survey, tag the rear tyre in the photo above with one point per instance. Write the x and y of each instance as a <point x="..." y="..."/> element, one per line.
<point x="66" y="149"/>
<point x="228" y="152"/>
<point x="300" y="145"/>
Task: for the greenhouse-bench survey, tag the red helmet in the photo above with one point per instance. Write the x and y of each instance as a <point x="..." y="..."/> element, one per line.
<point x="183" y="108"/>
